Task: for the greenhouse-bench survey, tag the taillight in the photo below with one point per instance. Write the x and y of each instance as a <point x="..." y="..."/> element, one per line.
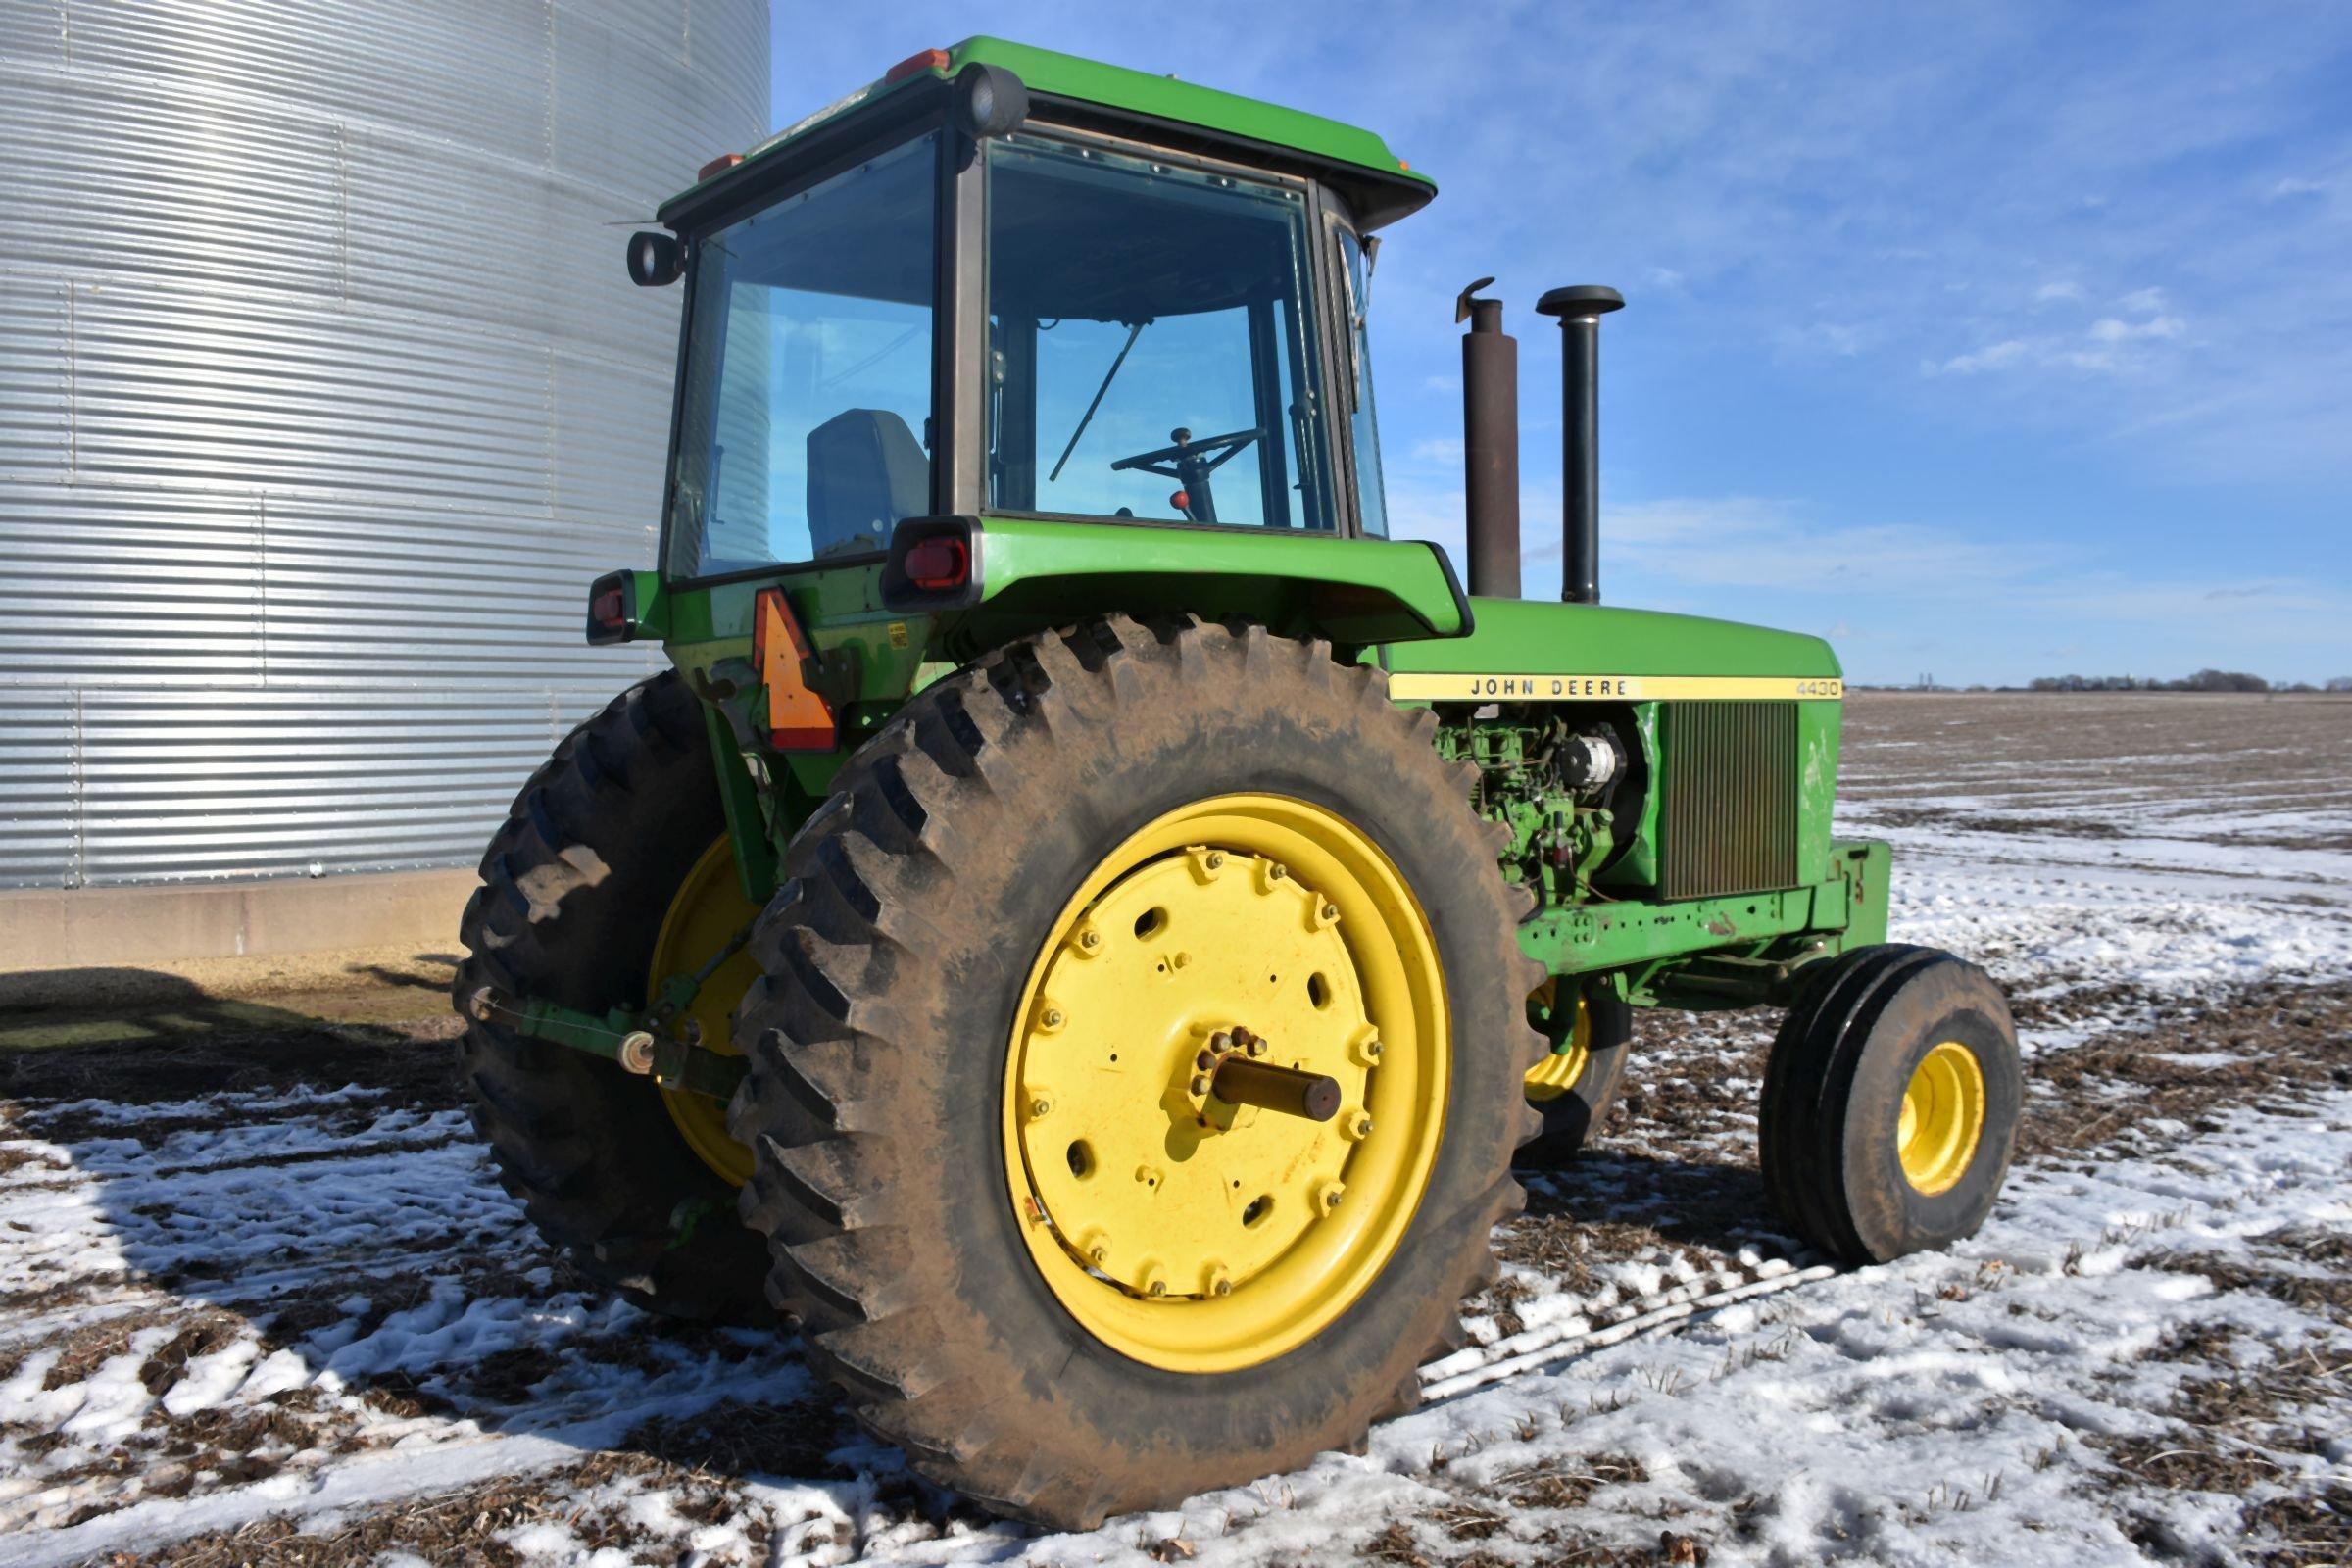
<point x="939" y="564"/>
<point x="613" y="609"/>
<point x="935" y="565"/>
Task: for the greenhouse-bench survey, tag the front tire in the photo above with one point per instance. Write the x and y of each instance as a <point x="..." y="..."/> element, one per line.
<point x="1573" y="1089"/>
<point x="1069" y="1336"/>
<point x="1890" y="1104"/>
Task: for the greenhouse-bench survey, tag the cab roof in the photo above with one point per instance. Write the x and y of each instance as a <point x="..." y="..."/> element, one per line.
<point x="1379" y="186"/>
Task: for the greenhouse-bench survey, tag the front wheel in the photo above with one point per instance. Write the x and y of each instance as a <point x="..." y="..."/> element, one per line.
<point x="1052" y="923"/>
<point x="1890" y="1104"/>
<point x="1577" y="1079"/>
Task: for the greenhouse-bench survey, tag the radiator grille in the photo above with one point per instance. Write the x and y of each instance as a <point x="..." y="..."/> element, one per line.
<point x="1728" y="819"/>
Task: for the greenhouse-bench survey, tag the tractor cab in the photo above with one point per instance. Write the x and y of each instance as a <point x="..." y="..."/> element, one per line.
<point x="977" y="288"/>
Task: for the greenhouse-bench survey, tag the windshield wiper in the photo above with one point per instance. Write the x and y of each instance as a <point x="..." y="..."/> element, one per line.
<point x="1086" y="419"/>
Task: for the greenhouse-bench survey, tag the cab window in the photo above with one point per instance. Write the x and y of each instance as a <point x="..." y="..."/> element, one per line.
<point x="1151" y="345"/>
<point x="806" y="428"/>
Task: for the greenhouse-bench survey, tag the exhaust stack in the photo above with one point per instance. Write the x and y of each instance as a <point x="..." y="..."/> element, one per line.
<point x="1580" y="309"/>
<point x="1489" y="445"/>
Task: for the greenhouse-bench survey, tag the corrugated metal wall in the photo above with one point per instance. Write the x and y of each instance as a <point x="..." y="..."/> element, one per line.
<point x="322" y="396"/>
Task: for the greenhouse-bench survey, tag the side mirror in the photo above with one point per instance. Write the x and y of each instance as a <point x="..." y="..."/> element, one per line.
<point x="989" y="101"/>
<point x="655" y="259"/>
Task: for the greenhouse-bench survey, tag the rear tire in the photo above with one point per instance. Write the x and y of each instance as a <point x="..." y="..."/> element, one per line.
<point x="575" y="887"/>
<point x="1890" y="1104"/>
<point x="925" y="897"/>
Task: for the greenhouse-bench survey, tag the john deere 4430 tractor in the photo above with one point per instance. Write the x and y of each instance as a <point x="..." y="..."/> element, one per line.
<point x="1087" y="922"/>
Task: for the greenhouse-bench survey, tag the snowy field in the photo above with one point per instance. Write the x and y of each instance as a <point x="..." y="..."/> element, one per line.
<point x="260" y="1301"/>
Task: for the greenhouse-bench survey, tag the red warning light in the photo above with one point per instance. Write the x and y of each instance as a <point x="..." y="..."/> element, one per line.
<point x="936" y="566"/>
<point x="928" y="60"/>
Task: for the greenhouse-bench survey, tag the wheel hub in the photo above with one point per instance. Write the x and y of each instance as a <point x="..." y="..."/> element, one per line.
<point x="1151" y="1179"/>
<point x="1226" y="1082"/>
<point x="1942" y="1118"/>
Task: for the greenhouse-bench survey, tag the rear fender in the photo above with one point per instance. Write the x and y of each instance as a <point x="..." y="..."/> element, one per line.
<point x="1028" y="576"/>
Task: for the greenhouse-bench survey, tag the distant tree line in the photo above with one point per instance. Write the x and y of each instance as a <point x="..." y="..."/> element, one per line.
<point x="2204" y="680"/>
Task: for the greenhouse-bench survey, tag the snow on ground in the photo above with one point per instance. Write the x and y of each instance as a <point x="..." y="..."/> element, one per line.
<point x="264" y="1305"/>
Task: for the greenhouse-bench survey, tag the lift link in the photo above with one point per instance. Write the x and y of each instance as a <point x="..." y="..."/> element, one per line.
<point x="618" y="1037"/>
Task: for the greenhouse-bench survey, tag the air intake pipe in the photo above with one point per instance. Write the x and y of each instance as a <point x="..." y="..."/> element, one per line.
<point x="1580" y="309"/>
<point x="1489" y="445"/>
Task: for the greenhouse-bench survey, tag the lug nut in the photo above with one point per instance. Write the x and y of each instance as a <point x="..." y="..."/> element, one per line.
<point x="1100" y="1252"/>
<point x="1148" y="1175"/>
<point x="1257" y="1047"/>
<point x="1222" y="1287"/>
<point x="1200" y="1083"/>
<point x="1358" y="1127"/>
<point x="1206" y="1061"/>
<point x="1051" y="1018"/>
<point x="1040" y="1108"/>
<point x="1155" y="1285"/>
<point x="1327" y="1196"/>
<point x="1090" y="939"/>
<point x="1331" y="911"/>
<point x="1216" y="859"/>
<point x="1371" y="1050"/>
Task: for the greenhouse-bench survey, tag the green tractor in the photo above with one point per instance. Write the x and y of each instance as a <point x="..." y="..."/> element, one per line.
<point x="1088" y="922"/>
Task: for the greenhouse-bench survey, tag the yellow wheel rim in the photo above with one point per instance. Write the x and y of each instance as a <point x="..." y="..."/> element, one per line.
<point x="707" y="913"/>
<point x="1943" y="1118"/>
<point x="1559" y="1070"/>
<point x="1181" y="1231"/>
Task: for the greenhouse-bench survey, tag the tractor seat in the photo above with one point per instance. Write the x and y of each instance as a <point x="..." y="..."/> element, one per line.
<point x="865" y="472"/>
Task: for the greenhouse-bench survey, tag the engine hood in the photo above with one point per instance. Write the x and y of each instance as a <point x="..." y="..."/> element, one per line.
<point x="1529" y="650"/>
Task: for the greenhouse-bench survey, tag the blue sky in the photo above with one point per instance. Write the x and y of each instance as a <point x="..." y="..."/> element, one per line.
<point x="1989" y="341"/>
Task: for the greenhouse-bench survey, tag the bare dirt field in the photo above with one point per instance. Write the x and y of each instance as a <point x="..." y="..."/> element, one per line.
<point x="261" y="1303"/>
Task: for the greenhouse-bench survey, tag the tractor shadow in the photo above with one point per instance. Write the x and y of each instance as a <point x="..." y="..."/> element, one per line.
<point x="294" y="1174"/>
<point x="1615" y="1206"/>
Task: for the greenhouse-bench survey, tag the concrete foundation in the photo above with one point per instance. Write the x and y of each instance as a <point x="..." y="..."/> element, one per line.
<point x="70" y="928"/>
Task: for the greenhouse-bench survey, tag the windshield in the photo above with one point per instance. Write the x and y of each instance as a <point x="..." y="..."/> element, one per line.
<point x="1150" y="352"/>
<point x="805" y="427"/>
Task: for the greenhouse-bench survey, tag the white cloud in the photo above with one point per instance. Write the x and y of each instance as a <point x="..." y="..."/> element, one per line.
<point x="2107" y="329"/>
<point x="2146" y="301"/>
<point x="2292" y="186"/>
<point x="1990" y="358"/>
<point x="2049" y="292"/>
<point x="1664" y="279"/>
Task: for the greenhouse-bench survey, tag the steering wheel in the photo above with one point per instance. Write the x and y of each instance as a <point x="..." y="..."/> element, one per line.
<point x="1189" y="462"/>
<point x="1187" y="450"/>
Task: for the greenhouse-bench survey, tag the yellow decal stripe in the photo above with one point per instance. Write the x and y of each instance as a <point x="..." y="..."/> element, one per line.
<point x="1499" y="687"/>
